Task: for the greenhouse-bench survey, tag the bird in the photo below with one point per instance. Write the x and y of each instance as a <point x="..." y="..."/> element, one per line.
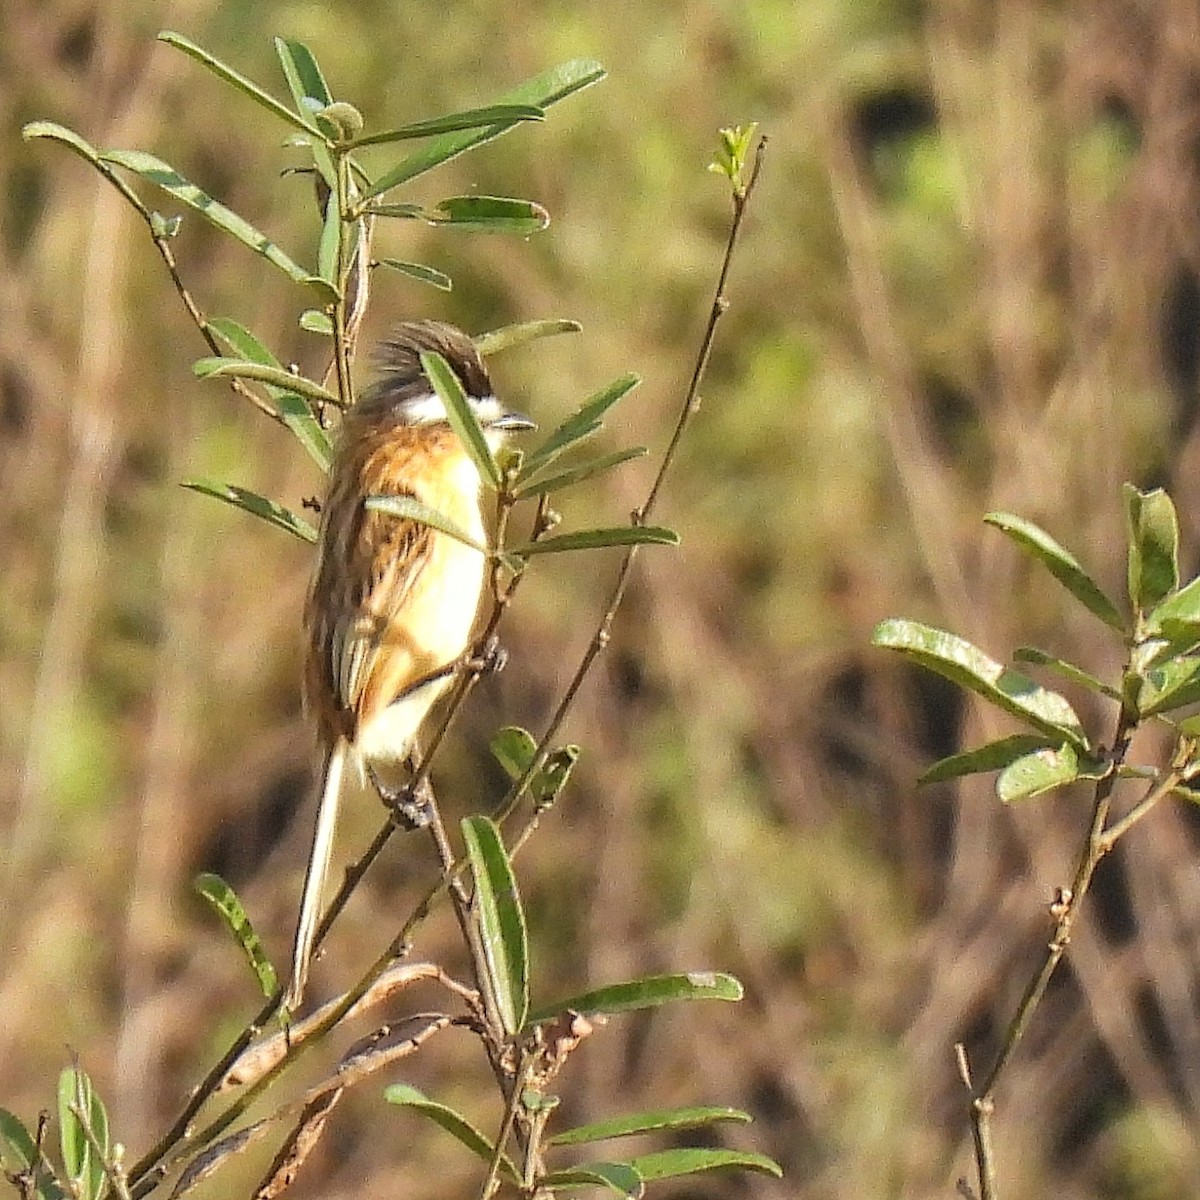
<point x="393" y="601"/>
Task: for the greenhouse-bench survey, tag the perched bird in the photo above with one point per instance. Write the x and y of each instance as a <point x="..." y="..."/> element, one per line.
<point x="393" y="602"/>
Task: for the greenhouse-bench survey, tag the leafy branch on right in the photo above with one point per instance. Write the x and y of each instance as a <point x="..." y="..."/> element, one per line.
<point x="1159" y="682"/>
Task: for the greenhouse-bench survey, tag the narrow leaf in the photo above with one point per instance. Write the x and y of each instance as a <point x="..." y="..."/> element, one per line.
<point x="542" y="91"/>
<point x="239" y="81"/>
<point x="993" y="757"/>
<point x="19" y="1154"/>
<point x="582" y="423"/>
<point x="594" y="539"/>
<point x="501" y="920"/>
<point x="586" y="470"/>
<point x="513" y="748"/>
<point x="68" y="137"/>
<point x="1032" y="774"/>
<point x="1061" y="563"/>
<point x="237" y="368"/>
<point x="316" y="321"/>
<point x="452" y="1122"/>
<point x="256" y="505"/>
<point x="1153" y="531"/>
<point x="232" y="912"/>
<point x="620" y="1178"/>
<point x="409" y="508"/>
<point x="649" y="992"/>
<point x="509" y="336"/>
<point x="419" y="272"/>
<point x="1069" y="671"/>
<point x="461" y="415"/>
<point x="474" y="118"/>
<point x="163" y="175"/>
<point x="298" y="417"/>
<point x="491" y="214"/>
<point x="304" y="78"/>
<point x="328" y="248"/>
<point x="962" y="663"/>
<point x="80" y="1110"/>
<point x="668" y="1164"/>
<point x="646" y="1122"/>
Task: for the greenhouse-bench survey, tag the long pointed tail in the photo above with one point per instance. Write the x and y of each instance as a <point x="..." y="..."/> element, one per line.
<point x="318" y="870"/>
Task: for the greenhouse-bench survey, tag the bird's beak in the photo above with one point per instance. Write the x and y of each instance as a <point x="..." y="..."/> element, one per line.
<point x="513" y="422"/>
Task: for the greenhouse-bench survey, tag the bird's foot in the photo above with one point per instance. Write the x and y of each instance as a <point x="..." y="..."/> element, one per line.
<point x="411" y="807"/>
<point x="491" y="659"/>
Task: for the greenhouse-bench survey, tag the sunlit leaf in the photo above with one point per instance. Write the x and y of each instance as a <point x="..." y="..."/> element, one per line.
<point x="1178" y="616"/>
<point x="491" y="214"/>
<point x="647" y="1122"/>
<point x="668" y="1164"/>
<point x="224" y="901"/>
<point x="419" y="272"/>
<point x="501" y="920"/>
<point x="961" y="662"/>
<point x="649" y="992"/>
<point x="239" y="81"/>
<point x="578" y="474"/>
<point x="1153" y="530"/>
<point x="992" y="757"/>
<point x="620" y="1178"/>
<point x="1061" y="563"/>
<point x="542" y="91"/>
<point x="508" y="336"/>
<point x="237" y="368"/>
<point x="1170" y="685"/>
<point x="409" y="508"/>
<point x="258" y="506"/>
<point x="452" y="1122"/>
<point x="163" y="175"/>
<point x="1032" y="774"/>
<point x="80" y="1112"/>
<point x="513" y="748"/>
<point x="461" y="415"/>
<point x="597" y="539"/>
<point x="1069" y="671"/>
<point x="581" y="424"/>
<point x="19" y="1154"/>
<point x="474" y="118"/>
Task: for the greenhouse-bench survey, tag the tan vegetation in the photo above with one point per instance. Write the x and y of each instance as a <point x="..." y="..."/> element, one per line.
<point x="972" y="281"/>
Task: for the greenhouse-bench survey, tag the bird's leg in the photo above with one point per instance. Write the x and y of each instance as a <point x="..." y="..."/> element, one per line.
<point x="491" y="658"/>
<point x="411" y="807"/>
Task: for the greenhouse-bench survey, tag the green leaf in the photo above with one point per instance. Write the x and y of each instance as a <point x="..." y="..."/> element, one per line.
<point x="256" y="505"/>
<point x="315" y="320"/>
<point x="1061" y="563"/>
<point x="474" y="118"/>
<point x="1153" y="546"/>
<point x="1170" y="685"/>
<point x="647" y="1122"/>
<point x="648" y="992"/>
<point x="419" y="272"/>
<point x="238" y="368"/>
<point x="501" y="920"/>
<point x="19" y="1155"/>
<point x="553" y="776"/>
<point x="232" y="912"/>
<point x="992" y="757"/>
<point x="329" y="247"/>
<point x="163" y="175"/>
<point x="239" y="81"/>
<point x="581" y="424"/>
<point x="491" y="214"/>
<point x="304" y="79"/>
<point x="508" y="336"/>
<point x="514" y="748"/>
<point x="80" y="1110"/>
<point x="1031" y="654"/>
<point x="616" y="1177"/>
<point x="577" y="474"/>
<point x="962" y="663"/>
<point x="68" y="137"/>
<point x="595" y="539"/>
<point x="669" y="1164"/>
<point x="1032" y="774"/>
<point x="409" y="508"/>
<point x="461" y="415"/>
<point x="1178" y="616"/>
<point x="541" y="91"/>
<point x="453" y="1123"/>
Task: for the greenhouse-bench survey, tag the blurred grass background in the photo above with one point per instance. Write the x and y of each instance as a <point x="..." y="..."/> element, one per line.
<point x="971" y="280"/>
